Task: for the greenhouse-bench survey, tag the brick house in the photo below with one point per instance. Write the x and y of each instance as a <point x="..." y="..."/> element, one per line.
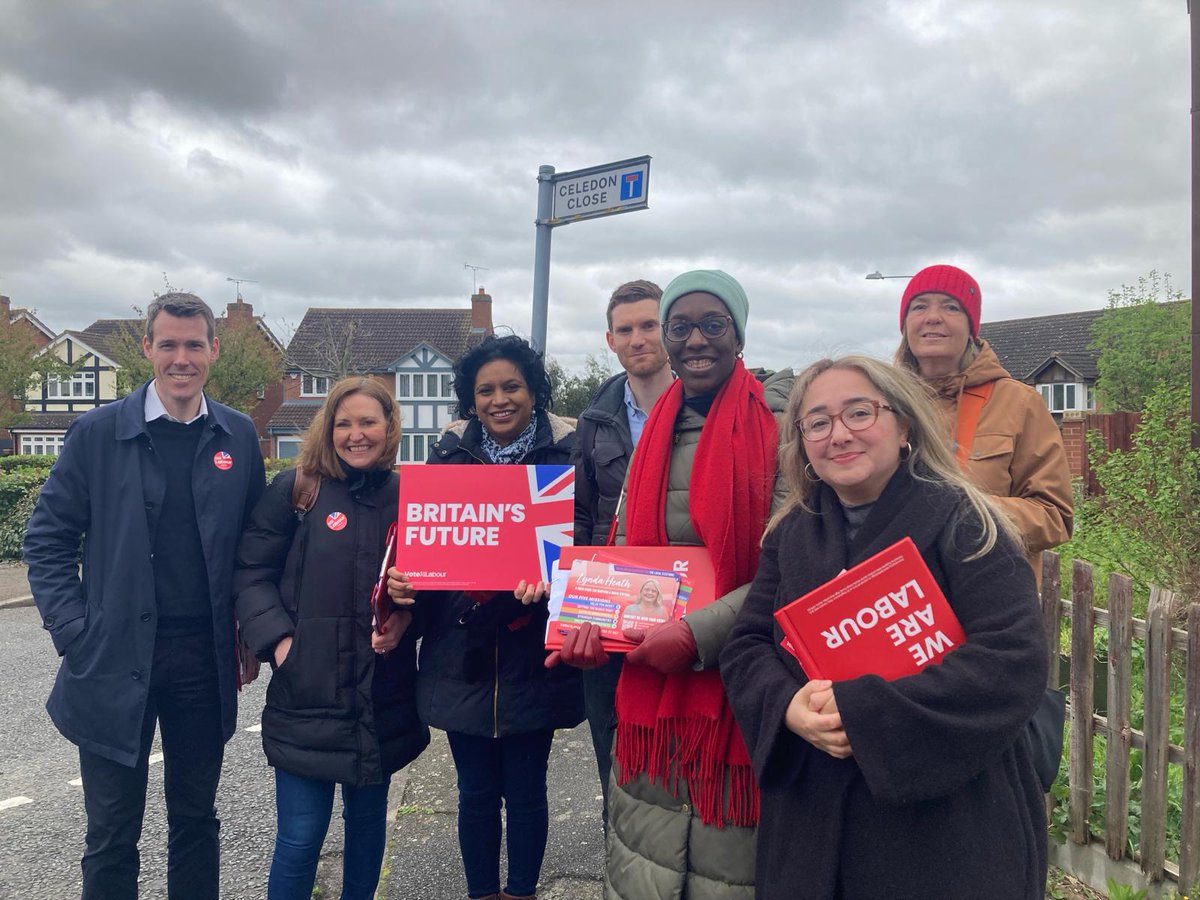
<point x="1053" y="354"/>
<point x="25" y="323"/>
<point x="411" y="351"/>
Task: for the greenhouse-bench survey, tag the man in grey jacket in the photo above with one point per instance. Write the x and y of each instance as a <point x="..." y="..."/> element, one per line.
<point x="607" y="432"/>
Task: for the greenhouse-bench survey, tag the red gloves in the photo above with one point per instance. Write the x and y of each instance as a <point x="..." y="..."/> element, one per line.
<point x="670" y="647"/>
<point x="581" y="649"/>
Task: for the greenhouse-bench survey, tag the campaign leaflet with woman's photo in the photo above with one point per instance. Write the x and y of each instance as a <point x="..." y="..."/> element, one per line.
<point x="612" y="597"/>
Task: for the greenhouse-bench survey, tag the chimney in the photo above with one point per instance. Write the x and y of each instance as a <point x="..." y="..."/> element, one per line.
<point x="239" y="312"/>
<point x="481" y="312"/>
<point x="6" y="305"/>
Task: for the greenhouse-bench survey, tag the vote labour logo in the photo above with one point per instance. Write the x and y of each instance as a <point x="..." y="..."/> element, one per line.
<point x="336" y="521"/>
<point x="631" y="185"/>
<point x="222" y="460"/>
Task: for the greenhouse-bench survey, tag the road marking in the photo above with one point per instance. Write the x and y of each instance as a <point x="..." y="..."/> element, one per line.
<point x="76" y="782"/>
<point x="14" y="801"/>
<point x="155" y="758"/>
<point x="255" y="727"/>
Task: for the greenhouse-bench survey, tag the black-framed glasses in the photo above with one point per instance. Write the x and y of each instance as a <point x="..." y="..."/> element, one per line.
<point x="678" y="330"/>
<point x="857" y="417"/>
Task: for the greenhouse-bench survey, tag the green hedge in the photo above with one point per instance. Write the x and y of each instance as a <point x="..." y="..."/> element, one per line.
<point x="19" y="488"/>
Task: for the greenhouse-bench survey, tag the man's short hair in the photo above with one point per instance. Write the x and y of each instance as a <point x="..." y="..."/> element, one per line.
<point x="632" y="292"/>
<point x="183" y="305"/>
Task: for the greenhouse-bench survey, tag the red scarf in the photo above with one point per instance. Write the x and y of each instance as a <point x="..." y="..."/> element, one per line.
<point x="676" y="725"/>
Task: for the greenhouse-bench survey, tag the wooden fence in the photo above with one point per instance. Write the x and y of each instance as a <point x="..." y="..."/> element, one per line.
<point x="1094" y="857"/>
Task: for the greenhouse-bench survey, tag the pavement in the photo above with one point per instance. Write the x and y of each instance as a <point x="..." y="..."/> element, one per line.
<point x="422" y="858"/>
<point x="14" y="586"/>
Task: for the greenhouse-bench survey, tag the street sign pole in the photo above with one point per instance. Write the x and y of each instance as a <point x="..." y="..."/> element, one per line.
<point x="566" y="197"/>
<point x="541" y="257"/>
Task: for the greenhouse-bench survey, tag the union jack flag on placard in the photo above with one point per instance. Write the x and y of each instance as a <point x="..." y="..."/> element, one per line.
<point x="483" y="527"/>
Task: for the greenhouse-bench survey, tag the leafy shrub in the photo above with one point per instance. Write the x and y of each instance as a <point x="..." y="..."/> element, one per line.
<point x="26" y="460"/>
<point x="275" y="466"/>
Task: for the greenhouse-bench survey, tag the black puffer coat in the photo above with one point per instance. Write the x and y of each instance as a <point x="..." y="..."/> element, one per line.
<point x="484" y="678"/>
<point x="335" y="710"/>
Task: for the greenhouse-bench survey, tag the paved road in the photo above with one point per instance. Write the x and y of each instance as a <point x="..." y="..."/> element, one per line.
<point x="42" y="819"/>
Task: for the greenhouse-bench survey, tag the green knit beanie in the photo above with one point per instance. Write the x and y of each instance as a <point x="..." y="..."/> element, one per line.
<point x="709" y="281"/>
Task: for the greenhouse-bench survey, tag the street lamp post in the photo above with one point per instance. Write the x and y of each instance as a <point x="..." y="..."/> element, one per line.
<point x="879" y="276"/>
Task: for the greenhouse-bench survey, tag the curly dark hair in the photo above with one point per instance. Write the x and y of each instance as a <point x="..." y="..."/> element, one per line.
<point x="517" y="351"/>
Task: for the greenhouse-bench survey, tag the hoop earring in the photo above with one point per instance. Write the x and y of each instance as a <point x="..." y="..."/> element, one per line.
<point x="810" y="473"/>
<point x="740" y="354"/>
<point x="905" y="451"/>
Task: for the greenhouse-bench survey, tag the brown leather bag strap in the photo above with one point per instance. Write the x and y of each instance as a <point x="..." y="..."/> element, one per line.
<point x="970" y="405"/>
<point x="304" y="491"/>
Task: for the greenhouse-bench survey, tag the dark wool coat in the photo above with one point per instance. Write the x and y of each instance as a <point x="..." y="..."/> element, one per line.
<point x="603" y="445"/>
<point x="482" y="677"/>
<point x="107" y="487"/>
<point x="940" y="799"/>
<point x="335" y="710"/>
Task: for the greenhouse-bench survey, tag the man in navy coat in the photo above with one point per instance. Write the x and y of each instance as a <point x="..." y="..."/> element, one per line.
<point x="157" y="486"/>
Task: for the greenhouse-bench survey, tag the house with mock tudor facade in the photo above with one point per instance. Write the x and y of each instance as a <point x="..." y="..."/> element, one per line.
<point x="411" y="351"/>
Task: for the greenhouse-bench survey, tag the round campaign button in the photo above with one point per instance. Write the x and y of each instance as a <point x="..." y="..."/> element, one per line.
<point x="336" y="521"/>
<point x="222" y="460"/>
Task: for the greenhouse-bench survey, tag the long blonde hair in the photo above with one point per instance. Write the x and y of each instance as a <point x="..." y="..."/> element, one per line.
<point x="929" y="458"/>
<point x="317" y="453"/>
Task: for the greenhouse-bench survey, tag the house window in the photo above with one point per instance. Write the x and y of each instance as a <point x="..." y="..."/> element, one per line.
<point x="80" y="386"/>
<point x="314" y="386"/>
<point x="48" y="444"/>
<point x="287" y="447"/>
<point x="421" y="385"/>
<point x="415" y="447"/>
<point x="1065" y="396"/>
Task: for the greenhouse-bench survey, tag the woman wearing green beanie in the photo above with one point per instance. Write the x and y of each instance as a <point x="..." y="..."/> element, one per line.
<point x="683" y="804"/>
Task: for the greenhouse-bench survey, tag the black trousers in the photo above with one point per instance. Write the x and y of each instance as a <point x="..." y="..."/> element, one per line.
<point x="599" y="701"/>
<point x="185" y="702"/>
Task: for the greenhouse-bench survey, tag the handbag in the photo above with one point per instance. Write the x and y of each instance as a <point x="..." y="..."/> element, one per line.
<point x="1044" y="732"/>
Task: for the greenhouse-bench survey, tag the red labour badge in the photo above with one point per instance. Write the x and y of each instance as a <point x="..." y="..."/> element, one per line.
<point x="336" y="521"/>
<point x="222" y="460"/>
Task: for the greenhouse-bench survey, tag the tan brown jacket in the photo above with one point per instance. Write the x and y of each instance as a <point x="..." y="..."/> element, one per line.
<point x="1017" y="455"/>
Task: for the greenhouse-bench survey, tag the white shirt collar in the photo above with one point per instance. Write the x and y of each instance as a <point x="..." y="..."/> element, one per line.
<point x="154" y="408"/>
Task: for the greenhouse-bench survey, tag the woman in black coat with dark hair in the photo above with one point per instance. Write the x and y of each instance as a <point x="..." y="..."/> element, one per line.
<point x="482" y="674"/>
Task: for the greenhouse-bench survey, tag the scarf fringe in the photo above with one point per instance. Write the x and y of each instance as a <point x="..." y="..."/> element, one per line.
<point x="690" y="749"/>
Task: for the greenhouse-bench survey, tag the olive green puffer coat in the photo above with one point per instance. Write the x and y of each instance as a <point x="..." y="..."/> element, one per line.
<point x="657" y="846"/>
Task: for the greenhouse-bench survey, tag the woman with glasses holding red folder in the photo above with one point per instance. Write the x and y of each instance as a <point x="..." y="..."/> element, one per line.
<point x="919" y="787"/>
<point x="341" y="704"/>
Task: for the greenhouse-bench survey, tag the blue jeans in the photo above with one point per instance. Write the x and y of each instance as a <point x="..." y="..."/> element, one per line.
<point x="185" y="701"/>
<point x="303" y="807"/>
<point x="511" y="768"/>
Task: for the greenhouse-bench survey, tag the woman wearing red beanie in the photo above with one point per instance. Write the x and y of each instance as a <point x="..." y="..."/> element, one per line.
<point x="1002" y="434"/>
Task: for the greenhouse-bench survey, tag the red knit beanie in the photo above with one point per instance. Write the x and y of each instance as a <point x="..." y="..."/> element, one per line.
<point x="948" y="280"/>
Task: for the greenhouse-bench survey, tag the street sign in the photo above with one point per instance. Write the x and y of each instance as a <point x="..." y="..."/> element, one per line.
<point x="603" y="190"/>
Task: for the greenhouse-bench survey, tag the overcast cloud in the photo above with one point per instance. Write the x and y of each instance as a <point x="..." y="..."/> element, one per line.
<point x="359" y="154"/>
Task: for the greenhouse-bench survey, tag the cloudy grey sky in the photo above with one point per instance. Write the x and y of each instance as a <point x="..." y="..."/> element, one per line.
<point x="358" y="154"/>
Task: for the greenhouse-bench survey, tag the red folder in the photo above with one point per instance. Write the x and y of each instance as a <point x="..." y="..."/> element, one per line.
<point x="886" y="617"/>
